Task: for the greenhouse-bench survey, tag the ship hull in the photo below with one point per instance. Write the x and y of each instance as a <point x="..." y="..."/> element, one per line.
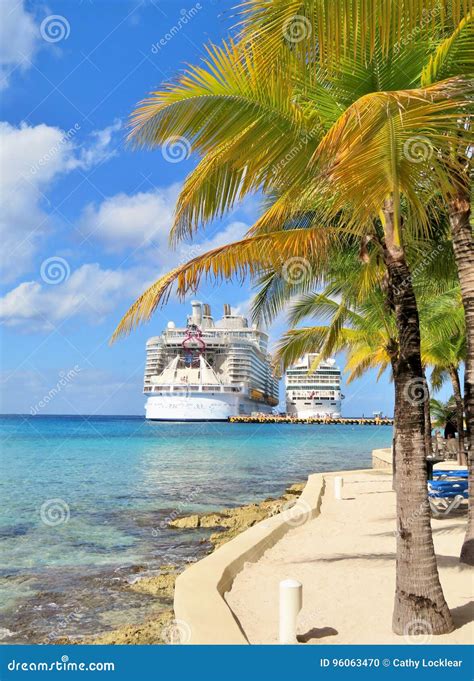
<point x="313" y="412"/>
<point x="201" y="407"/>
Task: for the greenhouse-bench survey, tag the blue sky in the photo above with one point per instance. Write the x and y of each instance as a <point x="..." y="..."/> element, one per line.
<point x="85" y="219"/>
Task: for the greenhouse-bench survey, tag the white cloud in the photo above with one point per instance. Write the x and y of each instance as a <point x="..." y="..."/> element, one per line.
<point x="19" y="37"/>
<point x="143" y="221"/>
<point x="100" y="149"/>
<point x="122" y="222"/>
<point x="89" y="292"/>
<point x="32" y="158"/>
<point x="126" y="221"/>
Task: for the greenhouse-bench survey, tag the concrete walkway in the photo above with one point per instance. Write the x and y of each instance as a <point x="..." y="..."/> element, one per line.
<point x="345" y="559"/>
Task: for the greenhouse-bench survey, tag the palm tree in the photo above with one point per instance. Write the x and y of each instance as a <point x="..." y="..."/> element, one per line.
<point x="459" y="209"/>
<point x="445" y="351"/>
<point x="443" y="412"/>
<point x="247" y="120"/>
<point x="366" y="329"/>
<point x="332" y="35"/>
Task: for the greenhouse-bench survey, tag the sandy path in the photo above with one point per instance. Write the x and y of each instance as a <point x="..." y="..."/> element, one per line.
<point x="346" y="562"/>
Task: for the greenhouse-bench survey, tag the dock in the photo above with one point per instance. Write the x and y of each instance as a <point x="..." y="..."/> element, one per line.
<point x="340" y="421"/>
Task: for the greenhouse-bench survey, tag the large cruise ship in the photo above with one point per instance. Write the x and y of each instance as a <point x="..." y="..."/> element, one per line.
<point x="209" y="371"/>
<point x="313" y="391"/>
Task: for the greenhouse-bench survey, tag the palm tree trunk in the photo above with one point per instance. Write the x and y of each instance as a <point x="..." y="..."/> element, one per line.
<point x="461" y="232"/>
<point x="394" y="456"/>
<point x="418" y="596"/>
<point x="428" y="426"/>
<point x="453" y="373"/>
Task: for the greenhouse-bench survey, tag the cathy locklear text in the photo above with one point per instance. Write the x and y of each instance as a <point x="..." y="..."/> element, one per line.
<point x="234" y="662"/>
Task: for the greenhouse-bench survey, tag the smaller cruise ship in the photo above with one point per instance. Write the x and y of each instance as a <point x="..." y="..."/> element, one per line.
<point x="313" y="389"/>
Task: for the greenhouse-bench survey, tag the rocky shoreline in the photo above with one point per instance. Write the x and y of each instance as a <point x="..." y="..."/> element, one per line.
<point x="227" y="524"/>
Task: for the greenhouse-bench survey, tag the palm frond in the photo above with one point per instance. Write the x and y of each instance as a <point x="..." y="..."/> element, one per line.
<point x="454" y="56"/>
<point x="324" y="30"/>
<point x="393" y="142"/>
<point x="253" y="256"/>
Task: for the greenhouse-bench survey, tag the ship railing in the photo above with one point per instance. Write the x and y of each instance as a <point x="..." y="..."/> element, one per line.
<point x="188" y="387"/>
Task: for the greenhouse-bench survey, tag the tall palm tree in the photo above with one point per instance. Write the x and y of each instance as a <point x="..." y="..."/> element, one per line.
<point x="247" y="120"/>
<point x="459" y="47"/>
<point x="445" y="350"/>
<point x="443" y="412"/>
<point x="330" y="35"/>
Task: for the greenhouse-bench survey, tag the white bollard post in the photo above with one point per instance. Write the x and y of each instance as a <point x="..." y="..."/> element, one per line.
<point x="291" y="601"/>
<point x="338" y="485"/>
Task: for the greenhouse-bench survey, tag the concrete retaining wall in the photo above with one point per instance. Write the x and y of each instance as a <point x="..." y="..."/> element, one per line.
<point x="382" y="458"/>
<point x="202" y="614"/>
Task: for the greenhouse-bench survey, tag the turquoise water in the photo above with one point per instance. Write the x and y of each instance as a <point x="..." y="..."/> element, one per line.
<point x="86" y="501"/>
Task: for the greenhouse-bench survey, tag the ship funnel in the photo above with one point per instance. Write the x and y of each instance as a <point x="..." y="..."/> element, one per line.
<point x="227" y="310"/>
<point x="206" y="310"/>
<point x="196" y="316"/>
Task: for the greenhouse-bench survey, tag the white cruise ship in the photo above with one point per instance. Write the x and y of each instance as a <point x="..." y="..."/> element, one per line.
<point x="209" y="371"/>
<point x="314" y="392"/>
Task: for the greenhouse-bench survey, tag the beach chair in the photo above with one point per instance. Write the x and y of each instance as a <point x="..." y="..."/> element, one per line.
<point x="459" y="474"/>
<point x="445" y="496"/>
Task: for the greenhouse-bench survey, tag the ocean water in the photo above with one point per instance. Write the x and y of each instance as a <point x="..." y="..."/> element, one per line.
<point x="86" y="502"/>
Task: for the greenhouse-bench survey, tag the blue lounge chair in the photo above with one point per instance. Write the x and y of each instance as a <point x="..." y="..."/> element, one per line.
<point x="460" y="474"/>
<point x="445" y="496"/>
